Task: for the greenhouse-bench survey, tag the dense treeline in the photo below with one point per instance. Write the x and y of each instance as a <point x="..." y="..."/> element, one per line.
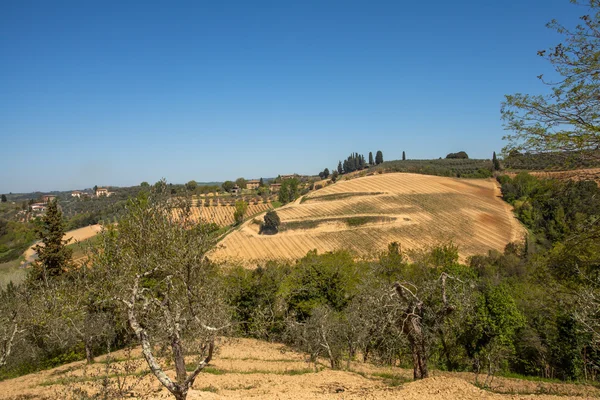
<point x="563" y="160"/>
<point x="460" y="168"/>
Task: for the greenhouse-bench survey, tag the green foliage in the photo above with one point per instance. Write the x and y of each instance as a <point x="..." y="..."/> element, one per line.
<point x="567" y="118"/>
<point x="371" y="161"/>
<point x="461" y="155"/>
<point x="54" y="257"/>
<point x="3" y="198"/>
<point x="191" y="186"/>
<point x="319" y="280"/>
<point x="495" y="162"/>
<point x="552" y="209"/>
<point x="227" y="186"/>
<point x="461" y="168"/>
<point x="271" y="223"/>
<point x="378" y="157"/>
<point x="288" y="191"/>
<point x="354" y="162"/>
<point x="241" y="207"/>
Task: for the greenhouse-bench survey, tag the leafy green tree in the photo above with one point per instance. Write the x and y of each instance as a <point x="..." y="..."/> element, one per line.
<point x="568" y="118"/>
<point x="271" y="223"/>
<point x="145" y="185"/>
<point x="240" y="211"/>
<point x="4" y="198"/>
<point x="334" y="176"/>
<point x="371" y="162"/>
<point x="378" y="157"/>
<point x="227" y="186"/>
<point x="54" y="257"/>
<point x="241" y="182"/>
<point x="191" y="186"/>
<point x="288" y="191"/>
<point x="460" y="155"/>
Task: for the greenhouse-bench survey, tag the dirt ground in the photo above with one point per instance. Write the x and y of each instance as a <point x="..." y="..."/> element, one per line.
<point x="245" y="368"/>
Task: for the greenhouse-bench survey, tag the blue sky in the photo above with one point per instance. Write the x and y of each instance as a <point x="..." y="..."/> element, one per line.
<point x="120" y="92"/>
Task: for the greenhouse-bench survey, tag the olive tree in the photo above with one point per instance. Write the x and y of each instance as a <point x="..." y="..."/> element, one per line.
<point x="154" y="268"/>
<point x="9" y="322"/>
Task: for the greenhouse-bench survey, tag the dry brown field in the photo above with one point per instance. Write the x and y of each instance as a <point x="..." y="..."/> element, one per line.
<point x="247" y="368"/>
<point x="223" y="215"/>
<point x="365" y="214"/>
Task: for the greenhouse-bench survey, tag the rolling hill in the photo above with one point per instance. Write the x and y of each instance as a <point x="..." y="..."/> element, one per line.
<point x="365" y="214"/>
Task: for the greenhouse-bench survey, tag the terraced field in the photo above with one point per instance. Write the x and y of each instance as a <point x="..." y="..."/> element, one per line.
<point x="365" y="214"/>
<point x="223" y="215"/>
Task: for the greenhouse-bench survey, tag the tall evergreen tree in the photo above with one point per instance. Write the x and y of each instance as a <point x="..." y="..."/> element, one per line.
<point x="371" y="162"/>
<point x="261" y="183"/>
<point x="4" y="198"/>
<point x="54" y="257"/>
<point x="495" y="162"/>
<point x="404" y="156"/>
<point x="378" y="157"/>
<point x="340" y="170"/>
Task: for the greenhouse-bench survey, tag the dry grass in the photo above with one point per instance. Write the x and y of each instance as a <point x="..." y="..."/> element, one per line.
<point x="246" y="368"/>
<point x="414" y="210"/>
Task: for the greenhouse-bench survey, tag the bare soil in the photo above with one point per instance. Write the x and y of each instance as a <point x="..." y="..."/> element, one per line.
<point x="245" y="368"/>
<point x="416" y="210"/>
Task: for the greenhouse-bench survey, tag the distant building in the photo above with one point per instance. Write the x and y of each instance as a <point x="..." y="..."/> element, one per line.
<point x="102" y="192"/>
<point x="77" y="193"/>
<point x="47" y="198"/>
<point x="38" y="207"/>
<point x="275" y="187"/>
<point x="253" y="184"/>
<point x="284" y="177"/>
<point x="236" y="190"/>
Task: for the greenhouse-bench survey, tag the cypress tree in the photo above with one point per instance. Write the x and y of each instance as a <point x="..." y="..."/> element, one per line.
<point x="371" y="162"/>
<point x="378" y="157"/>
<point x="403" y="156"/>
<point x="495" y="162"/>
<point x="4" y="198"/>
<point x="339" y="168"/>
<point x="54" y="257"/>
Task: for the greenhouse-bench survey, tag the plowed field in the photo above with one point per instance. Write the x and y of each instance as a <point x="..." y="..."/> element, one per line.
<point x="366" y="214"/>
<point x="223" y="215"/>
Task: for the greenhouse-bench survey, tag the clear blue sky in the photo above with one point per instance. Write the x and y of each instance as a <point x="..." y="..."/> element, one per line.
<point x="119" y="92"/>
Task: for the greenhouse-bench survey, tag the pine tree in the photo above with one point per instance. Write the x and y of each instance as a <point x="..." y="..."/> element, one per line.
<point x="495" y="162"/>
<point x="378" y="157"/>
<point x="54" y="257"/>
<point x="403" y="156"/>
<point x="371" y="162"/>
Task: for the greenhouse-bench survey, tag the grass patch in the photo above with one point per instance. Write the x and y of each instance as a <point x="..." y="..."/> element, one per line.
<point x="12" y="272"/>
<point x="349" y="221"/>
<point x="276" y="204"/>
<point x="93" y="378"/>
<point x="391" y="379"/>
<point x="209" y="388"/>
<point x="215" y="371"/>
<point x="341" y="196"/>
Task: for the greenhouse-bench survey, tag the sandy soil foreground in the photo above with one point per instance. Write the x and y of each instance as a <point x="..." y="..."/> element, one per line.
<point x="245" y="368"/>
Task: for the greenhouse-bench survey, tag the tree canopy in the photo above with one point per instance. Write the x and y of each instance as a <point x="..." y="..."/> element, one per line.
<point x="567" y="117"/>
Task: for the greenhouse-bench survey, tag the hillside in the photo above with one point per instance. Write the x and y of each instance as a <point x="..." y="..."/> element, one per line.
<point x="247" y="368"/>
<point x="365" y="214"/>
